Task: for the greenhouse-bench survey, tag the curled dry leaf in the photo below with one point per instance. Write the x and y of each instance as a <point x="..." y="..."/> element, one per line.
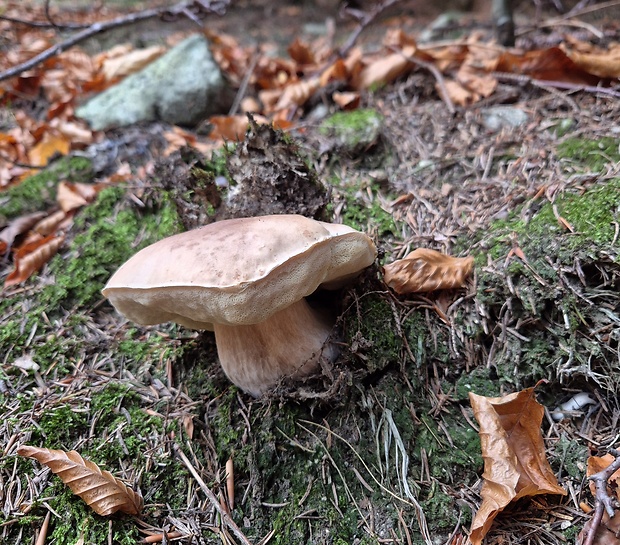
<point x="48" y="147"/>
<point x="30" y="257"/>
<point x="597" y="464"/>
<point x="386" y="69"/>
<point x="426" y="270"/>
<point x="102" y="492"/>
<point x="515" y="465"/>
<point x="296" y="94"/>
<point x="75" y="195"/>
<point x="18" y="227"/>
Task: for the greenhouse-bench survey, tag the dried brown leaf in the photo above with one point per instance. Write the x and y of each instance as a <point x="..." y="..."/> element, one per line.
<point x="550" y="64"/>
<point x="130" y="62"/>
<point x="427" y="270"/>
<point x="296" y="94"/>
<point x="386" y="69"/>
<point x="75" y="195"/>
<point x="30" y="257"/>
<point x="606" y="534"/>
<point x="102" y="492"/>
<point x="599" y="463"/>
<point x="18" y="227"/>
<point x="515" y="464"/>
<point x="48" y="147"/>
<point x="51" y="223"/>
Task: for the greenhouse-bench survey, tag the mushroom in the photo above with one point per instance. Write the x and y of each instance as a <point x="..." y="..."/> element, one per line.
<point x="246" y="279"/>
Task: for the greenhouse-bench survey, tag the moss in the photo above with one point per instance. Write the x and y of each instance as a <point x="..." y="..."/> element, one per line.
<point x="108" y="231"/>
<point x="570" y="458"/>
<point x="353" y="130"/>
<point x="593" y="155"/>
<point x="478" y="381"/>
<point x="377" y="347"/>
<point x="358" y="213"/>
<point x="59" y="427"/>
<point x="80" y="524"/>
<point x="38" y="192"/>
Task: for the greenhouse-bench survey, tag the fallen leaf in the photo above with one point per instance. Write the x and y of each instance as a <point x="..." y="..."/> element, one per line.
<point x="297" y="94"/>
<point x="229" y="127"/>
<point x="606" y="534"/>
<point x="346" y="101"/>
<point x="427" y="270"/>
<point x="18" y="227"/>
<point x="102" y="492"/>
<point x="49" y="146"/>
<point x="75" y="195"/>
<point x="130" y="62"/>
<point x="30" y="257"/>
<point x="550" y="64"/>
<point x="515" y="465"/>
<point x="301" y="52"/>
<point x="386" y="69"/>
<point x="599" y="463"/>
<point x="51" y="223"/>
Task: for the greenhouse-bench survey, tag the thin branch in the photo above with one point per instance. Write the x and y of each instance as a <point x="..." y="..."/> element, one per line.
<point x="207" y="6"/>
<point x="43" y="24"/>
<point x="568" y="86"/>
<point x="604" y="502"/>
<point x="441" y="83"/>
<point x="226" y="518"/>
<point x="364" y="21"/>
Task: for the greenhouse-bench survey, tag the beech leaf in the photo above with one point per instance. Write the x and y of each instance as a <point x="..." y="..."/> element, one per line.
<point x="18" y="227"/>
<point x="30" y="257"/>
<point x="515" y="465"/>
<point x="597" y="464"/>
<point x="102" y="492"/>
<point x="427" y="270"/>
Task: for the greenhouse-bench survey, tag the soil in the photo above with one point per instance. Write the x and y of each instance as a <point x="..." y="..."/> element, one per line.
<point x="382" y="446"/>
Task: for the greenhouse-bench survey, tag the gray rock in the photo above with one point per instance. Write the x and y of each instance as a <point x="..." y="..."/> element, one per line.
<point x="503" y="117"/>
<point x="182" y="87"/>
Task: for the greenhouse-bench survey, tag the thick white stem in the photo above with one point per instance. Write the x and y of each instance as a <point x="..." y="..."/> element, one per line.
<point x="288" y="344"/>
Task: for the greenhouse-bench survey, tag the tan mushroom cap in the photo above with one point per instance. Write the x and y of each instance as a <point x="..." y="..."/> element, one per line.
<point x="236" y="272"/>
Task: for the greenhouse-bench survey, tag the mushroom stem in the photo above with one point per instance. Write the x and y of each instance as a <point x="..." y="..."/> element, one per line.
<point x="288" y="344"/>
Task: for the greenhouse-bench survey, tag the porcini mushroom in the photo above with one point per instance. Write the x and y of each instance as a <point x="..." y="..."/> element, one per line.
<point x="246" y="279"/>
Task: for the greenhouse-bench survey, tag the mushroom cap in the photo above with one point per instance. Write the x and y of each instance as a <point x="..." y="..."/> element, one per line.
<point x="237" y="271"/>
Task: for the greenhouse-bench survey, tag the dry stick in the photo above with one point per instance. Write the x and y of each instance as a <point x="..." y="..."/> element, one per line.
<point x="523" y="80"/>
<point x="44" y="24"/>
<point x="368" y="18"/>
<point x="217" y="6"/>
<point x="211" y="497"/>
<point x="43" y="532"/>
<point x="443" y="90"/>
<point x="603" y="502"/>
<point x="244" y="83"/>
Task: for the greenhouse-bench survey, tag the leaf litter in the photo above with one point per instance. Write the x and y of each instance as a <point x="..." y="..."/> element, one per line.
<point x="466" y="157"/>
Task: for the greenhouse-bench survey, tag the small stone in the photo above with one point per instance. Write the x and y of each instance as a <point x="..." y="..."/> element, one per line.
<point x="182" y="87"/>
<point x="503" y="117"/>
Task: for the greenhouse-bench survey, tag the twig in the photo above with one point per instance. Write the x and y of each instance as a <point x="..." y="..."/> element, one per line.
<point x="604" y="501"/>
<point x="214" y="6"/>
<point x="228" y="521"/>
<point x="443" y="90"/>
<point x="365" y="20"/>
<point x="43" y="24"/>
<point x="244" y="83"/>
<point x="157" y="538"/>
<point x="43" y="532"/>
<point x="525" y="80"/>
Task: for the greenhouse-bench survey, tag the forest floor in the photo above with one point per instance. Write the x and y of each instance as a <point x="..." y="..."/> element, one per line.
<point x="383" y="447"/>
